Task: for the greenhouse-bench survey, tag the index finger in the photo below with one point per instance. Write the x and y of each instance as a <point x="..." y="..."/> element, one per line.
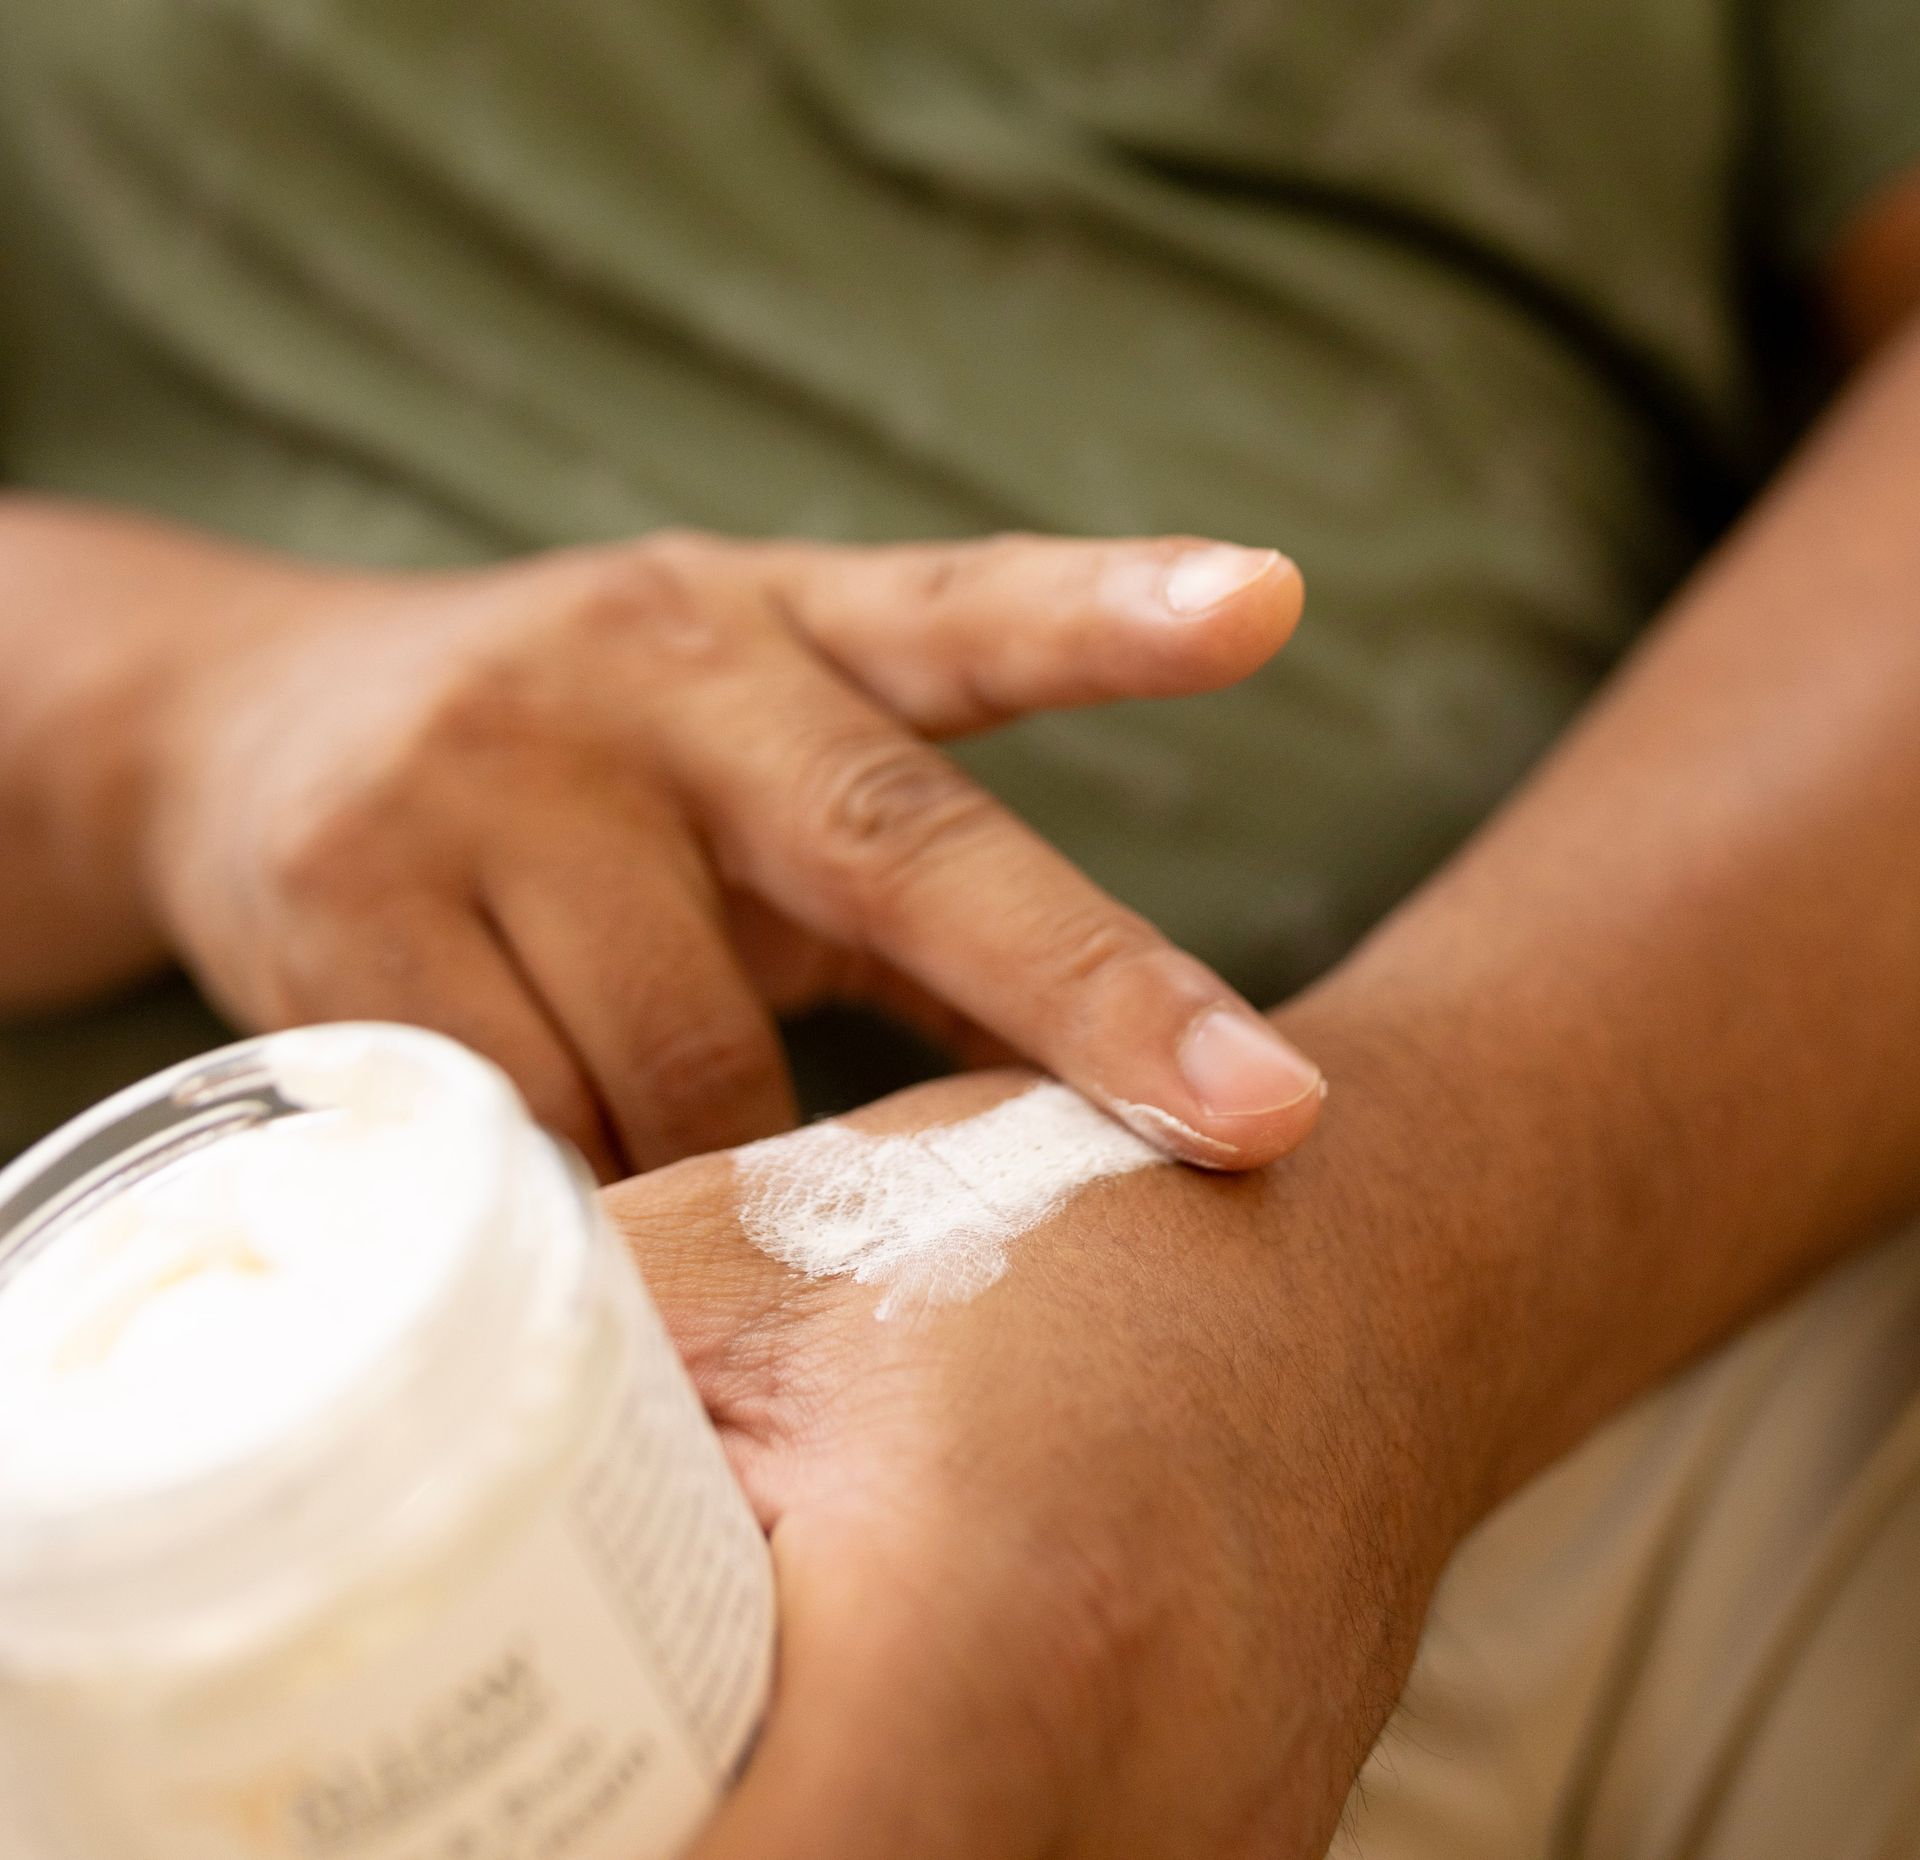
<point x="956" y="637"/>
<point x="818" y="801"/>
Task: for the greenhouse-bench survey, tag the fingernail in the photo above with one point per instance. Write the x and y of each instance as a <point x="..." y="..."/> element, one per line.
<point x="1203" y="578"/>
<point x="1239" y="1067"/>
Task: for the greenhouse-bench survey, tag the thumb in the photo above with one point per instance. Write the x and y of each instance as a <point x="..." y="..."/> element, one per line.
<point x="957" y="637"/>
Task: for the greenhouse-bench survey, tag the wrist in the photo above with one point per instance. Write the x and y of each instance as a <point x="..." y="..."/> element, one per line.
<point x="112" y="616"/>
<point x="1357" y="1290"/>
<point x="1463" y="1186"/>
<point x="1382" y="1271"/>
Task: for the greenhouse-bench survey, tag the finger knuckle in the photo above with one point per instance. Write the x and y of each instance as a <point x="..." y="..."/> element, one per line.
<point x="647" y="599"/>
<point x="488" y="704"/>
<point x="948" y="569"/>
<point x="708" y="1062"/>
<point x="325" y="856"/>
<point x="402" y="963"/>
<point x="879" y="810"/>
<point x="939" y="574"/>
<point x="1090" y="945"/>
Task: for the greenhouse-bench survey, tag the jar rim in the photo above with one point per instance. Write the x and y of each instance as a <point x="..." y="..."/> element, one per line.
<point x="409" y="1443"/>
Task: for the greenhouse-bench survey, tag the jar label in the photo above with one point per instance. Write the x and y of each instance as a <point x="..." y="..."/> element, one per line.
<point x="586" y="1697"/>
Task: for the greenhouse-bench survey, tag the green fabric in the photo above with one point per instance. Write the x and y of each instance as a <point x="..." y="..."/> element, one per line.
<point x="1447" y="297"/>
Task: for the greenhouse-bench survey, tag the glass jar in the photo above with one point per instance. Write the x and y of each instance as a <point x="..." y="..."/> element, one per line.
<point x="353" y="1502"/>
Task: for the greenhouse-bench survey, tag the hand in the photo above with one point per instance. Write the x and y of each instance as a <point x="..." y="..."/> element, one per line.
<point x="602" y="814"/>
<point x="1125" y="1558"/>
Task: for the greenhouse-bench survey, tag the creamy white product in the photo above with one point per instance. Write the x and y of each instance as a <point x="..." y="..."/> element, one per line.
<point x="928" y="1216"/>
<point x="353" y="1505"/>
<point x="1171" y="1135"/>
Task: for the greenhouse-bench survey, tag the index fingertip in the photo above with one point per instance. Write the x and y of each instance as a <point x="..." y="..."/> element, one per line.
<point x="1215" y="613"/>
<point x="1278" y="1134"/>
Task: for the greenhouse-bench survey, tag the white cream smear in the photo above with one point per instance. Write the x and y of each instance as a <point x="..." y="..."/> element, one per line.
<point x="1152" y="1122"/>
<point x="930" y="1217"/>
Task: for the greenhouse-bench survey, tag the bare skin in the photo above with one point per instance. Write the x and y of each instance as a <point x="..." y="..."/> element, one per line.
<point x="603" y="814"/>
<point x="1129" y="1557"/>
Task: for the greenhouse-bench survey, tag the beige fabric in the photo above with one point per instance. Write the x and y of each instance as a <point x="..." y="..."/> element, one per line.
<point x="1698" y="1638"/>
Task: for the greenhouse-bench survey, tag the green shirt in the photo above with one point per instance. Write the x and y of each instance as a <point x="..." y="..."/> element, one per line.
<point x="1455" y="300"/>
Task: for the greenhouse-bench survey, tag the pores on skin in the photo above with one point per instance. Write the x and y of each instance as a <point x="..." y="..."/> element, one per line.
<point x="930" y="1216"/>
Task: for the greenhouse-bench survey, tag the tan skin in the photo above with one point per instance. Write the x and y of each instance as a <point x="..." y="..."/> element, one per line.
<point x="604" y="813"/>
<point x="1128" y="1558"/>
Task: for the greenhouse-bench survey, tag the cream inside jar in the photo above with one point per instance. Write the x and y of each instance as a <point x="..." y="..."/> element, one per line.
<point x="353" y="1505"/>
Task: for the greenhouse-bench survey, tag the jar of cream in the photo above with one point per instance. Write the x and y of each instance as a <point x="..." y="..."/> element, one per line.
<point x="353" y="1503"/>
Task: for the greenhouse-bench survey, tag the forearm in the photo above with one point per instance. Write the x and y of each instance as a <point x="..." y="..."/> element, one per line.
<point x="101" y="616"/>
<point x="1649" y="1052"/>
